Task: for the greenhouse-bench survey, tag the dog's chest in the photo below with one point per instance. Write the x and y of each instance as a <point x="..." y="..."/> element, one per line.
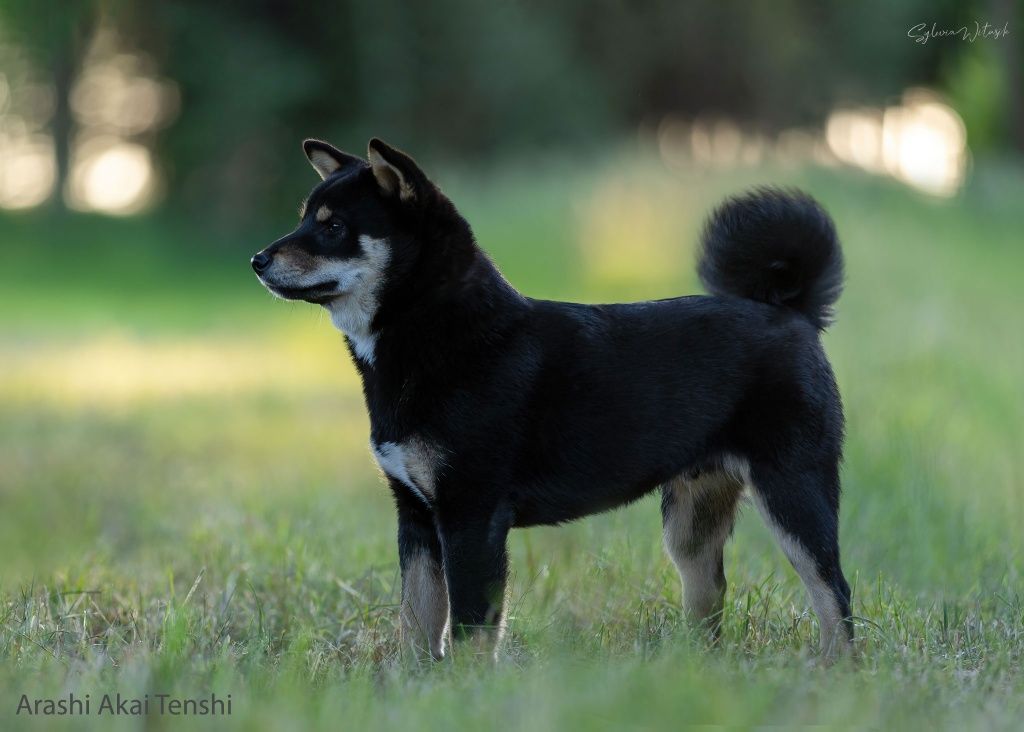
<point x="413" y="462"/>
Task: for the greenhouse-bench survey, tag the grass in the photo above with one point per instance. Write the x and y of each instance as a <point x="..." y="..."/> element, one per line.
<point x="187" y="504"/>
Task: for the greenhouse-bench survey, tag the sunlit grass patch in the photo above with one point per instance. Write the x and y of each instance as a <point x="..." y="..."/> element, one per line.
<point x="110" y="370"/>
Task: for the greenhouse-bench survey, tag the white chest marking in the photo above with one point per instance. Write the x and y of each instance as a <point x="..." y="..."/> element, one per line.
<point x="411" y="462"/>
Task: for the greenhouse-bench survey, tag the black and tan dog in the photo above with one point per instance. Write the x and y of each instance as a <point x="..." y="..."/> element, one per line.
<point x="491" y="410"/>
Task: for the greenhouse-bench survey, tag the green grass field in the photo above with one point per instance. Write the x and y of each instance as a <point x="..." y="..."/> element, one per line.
<point x="188" y="504"/>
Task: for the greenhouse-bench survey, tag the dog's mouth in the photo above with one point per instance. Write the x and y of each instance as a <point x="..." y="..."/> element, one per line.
<point x="318" y="293"/>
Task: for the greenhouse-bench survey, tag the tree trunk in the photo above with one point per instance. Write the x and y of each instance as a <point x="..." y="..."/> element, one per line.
<point x="1010" y="47"/>
<point x="62" y="125"/>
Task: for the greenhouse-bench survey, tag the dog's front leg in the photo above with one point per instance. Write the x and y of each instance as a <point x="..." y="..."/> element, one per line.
<point x="476" y="566"/>
<point x="424" y="594"/>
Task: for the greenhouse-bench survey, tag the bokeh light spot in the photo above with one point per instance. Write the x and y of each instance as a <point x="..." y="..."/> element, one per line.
<point x="116" y="178"/>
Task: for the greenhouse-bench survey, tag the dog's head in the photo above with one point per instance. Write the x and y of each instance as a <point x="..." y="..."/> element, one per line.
<point x="351" y="227"/>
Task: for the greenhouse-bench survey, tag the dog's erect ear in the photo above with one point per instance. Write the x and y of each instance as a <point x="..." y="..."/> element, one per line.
<point x="327" y="159"/>
<point x="397" y="174"/>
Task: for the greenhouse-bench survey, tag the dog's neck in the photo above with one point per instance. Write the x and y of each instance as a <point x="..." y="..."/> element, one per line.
<point x="353" y="312"/>
<point x="351" y="315"/>
<point x="476" y="303"/>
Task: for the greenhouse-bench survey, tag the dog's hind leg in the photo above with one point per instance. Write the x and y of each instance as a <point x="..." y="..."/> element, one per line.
<point x="424" y="592"/>
<point x="697" y="515"/>
<point x="801" y="507"/>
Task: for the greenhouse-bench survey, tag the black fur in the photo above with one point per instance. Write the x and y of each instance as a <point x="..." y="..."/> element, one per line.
<point x="774" y="246"/>
<point x="546" y="412"/>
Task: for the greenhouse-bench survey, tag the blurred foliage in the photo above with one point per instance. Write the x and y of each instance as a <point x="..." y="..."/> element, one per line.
<point x="977" y="86"/>
<point x="468" y="80"/>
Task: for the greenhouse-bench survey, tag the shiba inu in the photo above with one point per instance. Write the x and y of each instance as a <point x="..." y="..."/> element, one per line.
<point x="491" y="410"/>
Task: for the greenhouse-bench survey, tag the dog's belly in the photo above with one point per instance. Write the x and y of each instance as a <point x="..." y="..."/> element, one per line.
<point x="560" y="500"/>
<point x="531" y="513"/>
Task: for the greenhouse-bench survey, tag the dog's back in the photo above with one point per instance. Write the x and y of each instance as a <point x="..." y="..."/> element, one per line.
<point x="614" y="400"/>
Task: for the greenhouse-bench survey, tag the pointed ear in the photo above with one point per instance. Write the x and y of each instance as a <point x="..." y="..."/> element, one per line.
<point x="397" y="174"/>
<point x="327" y="159"/>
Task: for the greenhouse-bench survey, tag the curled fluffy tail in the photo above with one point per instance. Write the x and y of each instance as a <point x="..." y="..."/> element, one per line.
<point x="775" y="246"/>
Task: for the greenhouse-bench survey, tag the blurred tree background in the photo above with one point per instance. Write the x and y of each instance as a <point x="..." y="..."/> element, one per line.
<point x="215" y="96"/>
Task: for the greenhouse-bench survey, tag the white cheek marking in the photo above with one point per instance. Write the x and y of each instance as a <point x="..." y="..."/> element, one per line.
<point x="359" y="281"/>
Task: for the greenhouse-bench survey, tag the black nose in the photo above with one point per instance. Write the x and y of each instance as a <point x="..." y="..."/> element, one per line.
<point x="260" y="262"/>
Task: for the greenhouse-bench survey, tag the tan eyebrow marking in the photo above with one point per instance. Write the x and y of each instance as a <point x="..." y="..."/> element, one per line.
<point x="323" y="213"/>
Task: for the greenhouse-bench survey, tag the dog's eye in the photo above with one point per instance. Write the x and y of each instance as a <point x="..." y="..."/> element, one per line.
<point x="335" y="226"/>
